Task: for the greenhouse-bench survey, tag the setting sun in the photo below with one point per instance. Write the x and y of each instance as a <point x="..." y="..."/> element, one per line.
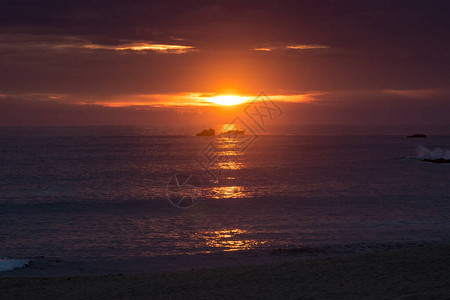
<point x="228" y="100"/>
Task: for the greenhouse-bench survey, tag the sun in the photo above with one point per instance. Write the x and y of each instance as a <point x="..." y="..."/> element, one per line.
<point x="228" y="100"/>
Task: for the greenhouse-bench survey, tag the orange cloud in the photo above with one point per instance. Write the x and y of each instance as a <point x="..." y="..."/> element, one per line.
<point x="156" y="100"/>
<point x="291" y="47"/>
<point x="173" y="100"/>
<point x="190" y="99"/>
<point x="27" y="41"/>
<point x="263" y="49"/>
<point x="162" y="48"/>
<point x="306" y="47"/>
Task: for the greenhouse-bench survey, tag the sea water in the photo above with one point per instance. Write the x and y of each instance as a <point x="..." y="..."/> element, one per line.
<point x="90" y="193"/>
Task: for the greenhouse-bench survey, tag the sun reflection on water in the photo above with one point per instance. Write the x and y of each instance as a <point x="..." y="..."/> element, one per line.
<point x="230" y="158"/>
<point x="230" y="161"/>
<point x="230" y="240"/>
<point x="226" y="192"/>
<point x="230" y="165"/>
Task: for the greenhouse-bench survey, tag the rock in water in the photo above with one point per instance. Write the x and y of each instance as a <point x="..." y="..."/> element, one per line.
<point x="438" y="160"/>
<point x="207" y="132"/>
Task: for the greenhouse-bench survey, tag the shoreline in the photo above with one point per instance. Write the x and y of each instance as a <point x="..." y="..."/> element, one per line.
<point x="59" y="267"/>
<point x="413" y="273"/>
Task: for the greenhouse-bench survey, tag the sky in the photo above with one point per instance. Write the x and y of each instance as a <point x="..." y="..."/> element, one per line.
<point x="107" y="62"/>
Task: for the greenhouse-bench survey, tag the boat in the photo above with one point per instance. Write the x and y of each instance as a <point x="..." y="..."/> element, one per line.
<point x="207" y="132"/>
<point x="417" y="136"/>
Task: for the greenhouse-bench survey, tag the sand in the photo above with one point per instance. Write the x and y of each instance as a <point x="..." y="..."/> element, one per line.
<point x="418" y="273"/>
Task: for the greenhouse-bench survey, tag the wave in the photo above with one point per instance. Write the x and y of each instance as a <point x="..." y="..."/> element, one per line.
<point x="11" y="264"/>
<point x="436" y="153"/>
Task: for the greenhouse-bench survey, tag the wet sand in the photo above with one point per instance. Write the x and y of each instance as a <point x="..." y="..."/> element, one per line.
<point x="418" y="273"/>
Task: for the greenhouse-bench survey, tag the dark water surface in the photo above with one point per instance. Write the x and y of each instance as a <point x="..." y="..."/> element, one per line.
<point x="99" y="193"/>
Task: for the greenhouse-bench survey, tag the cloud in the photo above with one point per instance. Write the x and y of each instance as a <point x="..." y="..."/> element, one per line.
<point x="291" y="47"/>
<point x="309" y="107"/>
<point x="30" y="112"/>
<point x="154" y="100"/>
<point x="161" y="48"/>
<point x="54" y="42"/>
<point x="420" y="93"/>
<point x="204" y="99"/>
<point x="191" y="99"/>
<point x="169" y="100"/>
<point x="263" y="49"/>
<point x="36" y="96"/>
<point x="306" y="47"/>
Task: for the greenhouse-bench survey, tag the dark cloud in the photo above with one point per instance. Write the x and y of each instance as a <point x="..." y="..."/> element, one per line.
<point x="339" y="23"/>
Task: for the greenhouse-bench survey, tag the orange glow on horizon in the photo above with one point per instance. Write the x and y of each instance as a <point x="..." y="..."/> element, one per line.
<point x="195" y="100"/>
<point x="228" y="100"/>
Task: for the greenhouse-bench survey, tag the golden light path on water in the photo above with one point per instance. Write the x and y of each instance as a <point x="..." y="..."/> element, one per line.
<point x="230" y="159"/>
<point x="228" y="192"/>
<point x="230" y="240"/>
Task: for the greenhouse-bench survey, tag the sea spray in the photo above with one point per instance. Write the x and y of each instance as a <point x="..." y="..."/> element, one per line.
<point x="425" y="153"/>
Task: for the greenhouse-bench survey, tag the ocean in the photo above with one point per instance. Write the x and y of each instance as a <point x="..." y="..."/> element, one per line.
<point x="89" y="194"/>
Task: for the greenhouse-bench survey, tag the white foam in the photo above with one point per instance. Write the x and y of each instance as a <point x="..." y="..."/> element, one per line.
<point x="11" y="264"/>
<point x="425" y="153"/>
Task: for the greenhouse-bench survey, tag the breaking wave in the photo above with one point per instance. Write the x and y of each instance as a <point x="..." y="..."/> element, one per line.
<point x="436" y="153"/>
<point x="11" y="264"/>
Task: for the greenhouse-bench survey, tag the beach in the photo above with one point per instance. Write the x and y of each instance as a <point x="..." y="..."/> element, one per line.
<point x="415" y="273"/>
